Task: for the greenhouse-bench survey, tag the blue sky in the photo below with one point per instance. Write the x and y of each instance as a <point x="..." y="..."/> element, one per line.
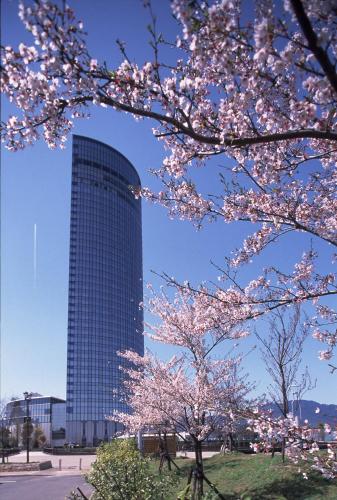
<point x="36" y="190"/>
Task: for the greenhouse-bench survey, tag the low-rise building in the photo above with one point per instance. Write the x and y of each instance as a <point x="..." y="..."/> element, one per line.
<point x="45" y="412"/>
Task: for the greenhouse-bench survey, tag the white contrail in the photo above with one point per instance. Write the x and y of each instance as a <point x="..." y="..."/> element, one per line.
<point x="35" y="255"/>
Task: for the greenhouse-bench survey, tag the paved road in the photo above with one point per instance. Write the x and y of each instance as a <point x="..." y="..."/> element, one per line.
<point x="36" y="487"/>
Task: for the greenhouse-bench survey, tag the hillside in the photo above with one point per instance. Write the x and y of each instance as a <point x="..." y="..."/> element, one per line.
<point x="305" y="409"/>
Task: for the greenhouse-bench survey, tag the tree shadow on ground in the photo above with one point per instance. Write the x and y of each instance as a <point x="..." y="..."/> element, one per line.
<point x="221" y="465"/>
<point x="295" y="488"/>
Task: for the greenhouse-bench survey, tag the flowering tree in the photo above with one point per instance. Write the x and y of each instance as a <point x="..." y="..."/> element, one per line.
<point x="302" y="447"/>
<point x="260" y="93"/>
<point x="193" y="392"/>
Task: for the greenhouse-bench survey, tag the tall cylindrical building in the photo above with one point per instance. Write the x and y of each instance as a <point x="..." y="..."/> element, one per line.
<point x="105" y="287"/>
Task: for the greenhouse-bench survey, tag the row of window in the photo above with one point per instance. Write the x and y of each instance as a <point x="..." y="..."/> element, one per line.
<point x="103" y="228"/>
<point x="131" y="201"/>
<point x="78" y="162"/>
<point x="103" y="158"/>
<point x="124" y="195"/>
<point x="113" y="178"/>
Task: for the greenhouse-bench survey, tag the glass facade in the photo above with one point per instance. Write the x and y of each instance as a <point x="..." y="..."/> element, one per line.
<point x="46" y="412"/>
<point x="40" y="410"/>
<point x="105" y="287"/>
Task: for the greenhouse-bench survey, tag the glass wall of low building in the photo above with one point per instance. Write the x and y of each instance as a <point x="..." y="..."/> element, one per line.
<point x="45" y="413"/>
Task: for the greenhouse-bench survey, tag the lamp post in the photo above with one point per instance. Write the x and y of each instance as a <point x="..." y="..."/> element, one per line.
<point x="28" y="397"/>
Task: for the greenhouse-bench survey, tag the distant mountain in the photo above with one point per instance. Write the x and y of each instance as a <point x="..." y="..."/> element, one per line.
<point x="305" y="410"/>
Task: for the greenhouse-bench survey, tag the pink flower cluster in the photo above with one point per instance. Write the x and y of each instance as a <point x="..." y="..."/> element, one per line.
<point x="263" y="94"/>
<point x="301" y="447"/>
<point x="193" y="392"/>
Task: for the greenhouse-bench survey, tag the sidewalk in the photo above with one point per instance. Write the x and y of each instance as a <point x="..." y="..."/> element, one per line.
<point x="62" y="464"/>
<point x="191" y="454"/>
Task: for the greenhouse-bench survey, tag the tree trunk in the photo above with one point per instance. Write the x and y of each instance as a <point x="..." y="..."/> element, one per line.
<point x="283" y="449"/>
<point x="285" y="409"/>
<point x="166" y="450"/>
<point x="198" y="479"/>
<point x="232" y="444"/>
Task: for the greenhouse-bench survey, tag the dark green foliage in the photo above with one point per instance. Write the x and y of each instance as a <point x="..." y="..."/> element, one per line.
<point x="5" y="434"/>
<point x="121" y="473"/>
<point x="39" y="439"/>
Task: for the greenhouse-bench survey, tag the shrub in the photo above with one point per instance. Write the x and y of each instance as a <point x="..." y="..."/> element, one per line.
<point x="121" y="473"/>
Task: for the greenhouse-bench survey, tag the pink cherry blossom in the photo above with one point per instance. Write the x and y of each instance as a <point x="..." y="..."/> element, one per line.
<point x="260" y="93"/>
<point x="195" y="392"/>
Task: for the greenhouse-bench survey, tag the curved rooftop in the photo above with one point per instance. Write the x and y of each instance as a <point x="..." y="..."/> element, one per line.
<point x="95" y="141"/>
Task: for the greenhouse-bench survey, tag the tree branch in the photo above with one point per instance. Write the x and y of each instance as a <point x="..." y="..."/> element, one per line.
<point x="235" y="142"/>
<point x="320" y="54"/>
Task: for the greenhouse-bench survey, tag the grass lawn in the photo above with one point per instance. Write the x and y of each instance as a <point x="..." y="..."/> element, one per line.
<point x="252" y="477"/>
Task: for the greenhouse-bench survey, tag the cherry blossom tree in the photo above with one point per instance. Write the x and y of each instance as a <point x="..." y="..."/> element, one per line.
<point x="302" y="447"/>
<point x="261" y="93"/>
<point x="195" y="391"/>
